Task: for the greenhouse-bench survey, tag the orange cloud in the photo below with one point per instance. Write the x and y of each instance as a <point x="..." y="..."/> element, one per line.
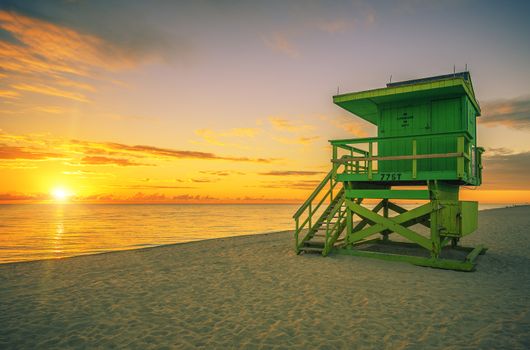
<point x="222" y="172"/>
<point x="49" y="47"/>
<point x="283" y="124"/>
<point x="54" y="60"/>
<point x="9" y="94"/>
<point x="352" y="127"/>
<point x="214" y="137"/>
<point x="16" y="196"/>
<point x="36" y="147"/>
<point x="180" y="154"/>
<point x="294" y="185"/>
<point x="292" y="172"/>
<point x="95" y="160"/>
<point x="51" y="91"/>
<point x="302" y="140"/>
<point x="14" y="152"/>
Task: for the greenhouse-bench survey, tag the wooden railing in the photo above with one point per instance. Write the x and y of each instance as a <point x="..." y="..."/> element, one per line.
<point x="365" y="161"/>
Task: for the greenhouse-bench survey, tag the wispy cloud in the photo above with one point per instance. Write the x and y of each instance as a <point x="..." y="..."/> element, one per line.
<point x="51" y="91"/>
<point x="351" y="127"/>
<point x="292" y="173"/>
<point x="302" y="140"/>
<point x="294" y="185"/>
<point x="280" y="43"/>
<point x="337" y="25"/>
<point x="98" y="160"/>
<point x="506" y="169"/>
<point x="222" y="172"/>
<point x="513" y="113"/>
<point x="139" y="150"/>
<point x="283" y="124"/>
<point x="27" y="153"/>
<point x="9" y="94"/>
<point x="89" y="174"/>
<point x="17" y="196"/>
<point x="150" y="187"/>
<point x="55" y="60"/>
<point x="42" y="147"/>
<point x="224" y="137"/>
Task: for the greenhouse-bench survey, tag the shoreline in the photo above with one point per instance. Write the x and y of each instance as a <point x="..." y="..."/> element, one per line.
<point x="192" y="241"/>
<point x="168" y="245"/>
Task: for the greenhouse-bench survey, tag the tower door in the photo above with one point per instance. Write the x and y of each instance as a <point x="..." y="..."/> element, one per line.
<point x="404" y="121"/>
<point x="446" y="117"/>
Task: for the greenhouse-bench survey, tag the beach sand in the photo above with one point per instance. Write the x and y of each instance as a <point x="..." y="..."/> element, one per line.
<point x="255" y="292"/>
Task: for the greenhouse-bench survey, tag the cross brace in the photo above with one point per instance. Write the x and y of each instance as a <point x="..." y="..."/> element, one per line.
<point x="396" y="224"/>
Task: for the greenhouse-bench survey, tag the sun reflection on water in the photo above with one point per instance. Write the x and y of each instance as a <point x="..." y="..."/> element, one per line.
<point x="59" y="231"/>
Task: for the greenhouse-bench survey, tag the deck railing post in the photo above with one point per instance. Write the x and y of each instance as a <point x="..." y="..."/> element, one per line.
<point x="369" y="160"/>
<point x="414" y="160"/>
<point x="469" y="157"/>
<point x="460" y="160"/>
<point x="334" y="157"/>
<point x="351" y="163"/>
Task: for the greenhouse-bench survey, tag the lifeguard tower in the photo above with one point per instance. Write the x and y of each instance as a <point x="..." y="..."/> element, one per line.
<point x="425" y="149"/>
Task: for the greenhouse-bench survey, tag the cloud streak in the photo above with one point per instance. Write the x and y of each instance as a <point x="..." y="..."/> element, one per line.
<point x="98" y="160"/>
<point x="512" y="113"/>
<point x="27" y="153"/>
<point x="44" y="147"/>
<point x="506" y="169"/>
<point x="292" y="173"/>
<point x="279" y="42"/>
<point x="215" y="137"/>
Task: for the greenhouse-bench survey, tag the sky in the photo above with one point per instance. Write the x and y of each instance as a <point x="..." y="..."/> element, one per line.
<point x="231" y="101"/>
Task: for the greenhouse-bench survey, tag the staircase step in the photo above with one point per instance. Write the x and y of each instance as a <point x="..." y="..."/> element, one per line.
<point x="314" y="243"/>
<point x="311" y="250"/>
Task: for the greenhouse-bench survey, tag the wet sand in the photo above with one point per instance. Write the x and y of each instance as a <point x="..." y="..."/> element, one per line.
<point x="253" y="292"/>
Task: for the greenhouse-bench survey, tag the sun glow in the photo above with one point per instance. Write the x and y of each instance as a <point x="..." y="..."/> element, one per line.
<point x="60" y="194"/>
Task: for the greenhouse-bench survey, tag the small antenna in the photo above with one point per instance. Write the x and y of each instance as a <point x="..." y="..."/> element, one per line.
<point x="454" y="69"/>
<point x="337" y="90"/>
<point x="466" y="67"/>
<point x="390" y="78"/>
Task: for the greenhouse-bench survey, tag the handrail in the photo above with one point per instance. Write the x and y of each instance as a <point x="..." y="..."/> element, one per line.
<point x="346" y="159"/>
<point x="312" y="196"/>
<point x="310" y="209"/>
<point x="342" y="142"/>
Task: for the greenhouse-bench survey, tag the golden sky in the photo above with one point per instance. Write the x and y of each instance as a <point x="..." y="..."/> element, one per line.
<point x="231" y="102"/>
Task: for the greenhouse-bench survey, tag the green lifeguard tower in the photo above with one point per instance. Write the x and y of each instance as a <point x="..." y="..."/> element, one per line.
<point x="425" y="149"/>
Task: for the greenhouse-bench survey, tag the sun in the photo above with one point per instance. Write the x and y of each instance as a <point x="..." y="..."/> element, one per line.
<point x="60" y="194"/>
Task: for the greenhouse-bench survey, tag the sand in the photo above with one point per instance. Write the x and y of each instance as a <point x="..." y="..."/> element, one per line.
<point x="253" y="292"/>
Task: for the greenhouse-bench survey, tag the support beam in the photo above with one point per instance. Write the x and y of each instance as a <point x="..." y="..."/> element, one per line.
<point x="393" y="224"/>
<point x="448" y="264"/>
<point x="388" y="194"/>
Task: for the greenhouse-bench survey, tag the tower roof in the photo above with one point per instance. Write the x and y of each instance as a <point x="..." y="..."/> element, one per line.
<point x="365" y="104"/>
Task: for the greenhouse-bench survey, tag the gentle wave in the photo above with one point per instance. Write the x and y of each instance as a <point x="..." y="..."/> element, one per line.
<point x="44" y="231"/>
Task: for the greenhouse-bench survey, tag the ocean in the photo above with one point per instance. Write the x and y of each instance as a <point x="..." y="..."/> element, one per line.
<point x="47" y="231"/>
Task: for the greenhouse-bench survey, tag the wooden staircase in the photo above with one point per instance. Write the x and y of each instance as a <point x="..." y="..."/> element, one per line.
<point x="321" y="235"/>
<point x="327" y="229"/>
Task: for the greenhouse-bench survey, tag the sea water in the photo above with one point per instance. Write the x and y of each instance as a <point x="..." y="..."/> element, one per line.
<point x="44" y="231"/>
